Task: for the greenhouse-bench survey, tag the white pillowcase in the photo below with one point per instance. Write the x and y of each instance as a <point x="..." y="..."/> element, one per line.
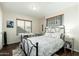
<point x="50" y="30"/>
<point x="53" y="30"/>
<point x="47" y="34"/>
<point x="57" y="29"/>
<point x="54" y="35"/>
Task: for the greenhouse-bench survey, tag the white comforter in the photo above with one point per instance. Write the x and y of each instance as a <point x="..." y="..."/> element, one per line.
<point x="47" y="45"/>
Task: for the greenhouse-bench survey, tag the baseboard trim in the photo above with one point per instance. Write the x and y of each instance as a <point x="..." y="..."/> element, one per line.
<point x="11" y="43"/>
<point x="76" y="50"/>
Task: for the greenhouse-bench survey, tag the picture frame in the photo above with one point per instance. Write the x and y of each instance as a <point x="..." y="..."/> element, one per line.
<point x="10" y="24"/>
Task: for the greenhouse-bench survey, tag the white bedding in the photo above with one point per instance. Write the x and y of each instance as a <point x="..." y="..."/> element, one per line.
<point x="47" y="45"/>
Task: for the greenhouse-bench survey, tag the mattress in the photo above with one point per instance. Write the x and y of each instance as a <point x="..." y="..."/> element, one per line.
<point x="46" y="45"/>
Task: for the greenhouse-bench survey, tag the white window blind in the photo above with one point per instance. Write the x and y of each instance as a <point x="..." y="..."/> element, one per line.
<point x="24" y="26"/>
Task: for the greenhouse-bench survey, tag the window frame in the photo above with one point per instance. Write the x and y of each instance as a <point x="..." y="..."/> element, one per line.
<point x="24" y="23"/>
<point x="55" y="17"/>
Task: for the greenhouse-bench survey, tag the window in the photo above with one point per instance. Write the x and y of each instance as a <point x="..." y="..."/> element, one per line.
<point x="24" y="26"/>
<point x="28" y="26"/>
<point x="55" y="21"/>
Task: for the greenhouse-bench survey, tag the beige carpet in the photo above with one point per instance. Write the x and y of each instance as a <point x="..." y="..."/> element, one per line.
<point x="19" y="52"/>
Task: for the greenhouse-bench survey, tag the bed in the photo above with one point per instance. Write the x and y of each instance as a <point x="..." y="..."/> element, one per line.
<point x="44" y="45"/>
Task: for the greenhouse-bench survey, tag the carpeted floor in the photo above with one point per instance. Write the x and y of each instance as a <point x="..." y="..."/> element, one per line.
<point x="13" y="50"/>
<point x="19" y="52"/>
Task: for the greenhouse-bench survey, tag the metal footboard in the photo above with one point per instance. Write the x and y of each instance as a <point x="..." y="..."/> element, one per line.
<point x="29" y="50"/>
<point x="37" y="49"/>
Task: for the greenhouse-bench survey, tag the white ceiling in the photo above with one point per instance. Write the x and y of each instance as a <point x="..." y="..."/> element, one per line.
<point x="42" y="8"/>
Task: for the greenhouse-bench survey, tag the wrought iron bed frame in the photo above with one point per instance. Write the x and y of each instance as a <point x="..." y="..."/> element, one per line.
<point x="36" y="45"/>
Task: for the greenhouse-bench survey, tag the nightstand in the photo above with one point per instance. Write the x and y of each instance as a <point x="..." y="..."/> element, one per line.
<point x="69" y="45"/>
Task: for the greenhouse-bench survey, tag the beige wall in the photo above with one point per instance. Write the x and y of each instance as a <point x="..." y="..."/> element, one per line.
<point x="11" y="32"/>
<point x="71" y="22"/>
<point x="42" y="22"/>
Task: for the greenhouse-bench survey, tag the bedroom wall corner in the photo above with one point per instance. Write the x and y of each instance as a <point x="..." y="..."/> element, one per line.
<point x="71" y="24"/>
<point x="1" y="19"/>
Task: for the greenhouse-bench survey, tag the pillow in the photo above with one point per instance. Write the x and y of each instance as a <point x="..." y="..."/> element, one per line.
<point x="62" y="31"/>
<point x="55" y="35"/>
<point x="52" y="30"/>
<point x="48" y="30"/>
<point x="57" y="29"/>
<point x="47" y="34"/>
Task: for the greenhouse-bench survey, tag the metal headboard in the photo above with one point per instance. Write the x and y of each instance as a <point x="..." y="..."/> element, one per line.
<point x="63" y="34"/>
<point x="61" y="27"/>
